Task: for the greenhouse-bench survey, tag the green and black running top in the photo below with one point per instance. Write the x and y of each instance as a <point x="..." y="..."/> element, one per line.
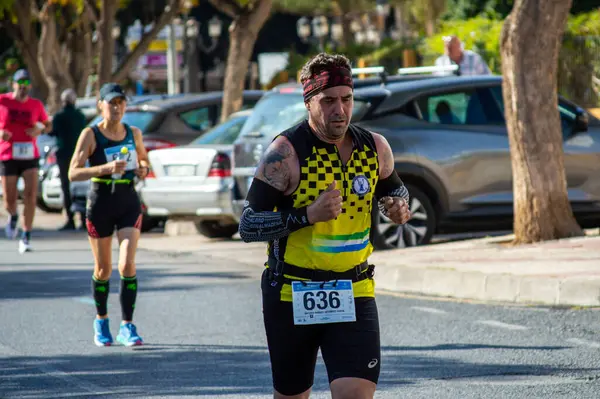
<point x="108" y="150"/>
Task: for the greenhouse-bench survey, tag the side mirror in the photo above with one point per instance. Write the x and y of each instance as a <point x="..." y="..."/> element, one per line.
<point x="581" y="121"/>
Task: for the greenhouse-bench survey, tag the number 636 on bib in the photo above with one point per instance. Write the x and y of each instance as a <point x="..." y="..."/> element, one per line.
<point x="316" y="302"/>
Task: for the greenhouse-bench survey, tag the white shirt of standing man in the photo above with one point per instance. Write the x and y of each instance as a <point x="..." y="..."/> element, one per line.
<point x="469" y="62"/>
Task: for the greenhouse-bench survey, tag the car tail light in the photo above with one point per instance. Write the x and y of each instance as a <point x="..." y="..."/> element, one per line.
<point x="221" y="166"/>
<point x="150" y="174"/>
<point x="287" y="90"/>
<point x="51" y="159"/>
<point x="156" y="144"/>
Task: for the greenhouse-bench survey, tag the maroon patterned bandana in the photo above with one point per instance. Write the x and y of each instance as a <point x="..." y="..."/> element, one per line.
<point x="324" y="80"/>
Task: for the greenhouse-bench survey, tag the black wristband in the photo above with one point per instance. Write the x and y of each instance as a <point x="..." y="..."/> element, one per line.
<point x="386" y="186"/>
<point x="295" y="219"/>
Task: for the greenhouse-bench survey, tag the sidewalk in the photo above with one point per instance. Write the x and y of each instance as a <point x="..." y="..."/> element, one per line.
<point x="562" y="272"/>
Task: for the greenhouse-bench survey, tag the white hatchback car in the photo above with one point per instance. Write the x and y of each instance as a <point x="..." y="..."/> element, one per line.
<point x="193" y="182"/>
<point x="52" y="192"/>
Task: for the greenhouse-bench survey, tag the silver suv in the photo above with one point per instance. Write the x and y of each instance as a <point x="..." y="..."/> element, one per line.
<point x="451" y="149"/>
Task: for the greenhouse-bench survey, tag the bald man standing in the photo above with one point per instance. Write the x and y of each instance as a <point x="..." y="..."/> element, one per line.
<point x="67" y="124"/>
<point x="469" y="62"/>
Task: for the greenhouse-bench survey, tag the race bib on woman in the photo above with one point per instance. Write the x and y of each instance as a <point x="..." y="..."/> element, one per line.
<point x="114" y="153"/>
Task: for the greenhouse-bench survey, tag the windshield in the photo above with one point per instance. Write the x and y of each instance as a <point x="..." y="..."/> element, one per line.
<point x="139" y="119"/>
<point x="224" y="133"/>
<point x="278" y="112"/>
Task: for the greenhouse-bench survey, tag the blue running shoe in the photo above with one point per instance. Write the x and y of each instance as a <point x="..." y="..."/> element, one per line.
<point x="102" y="335"/>
<point x="128" y="335"/>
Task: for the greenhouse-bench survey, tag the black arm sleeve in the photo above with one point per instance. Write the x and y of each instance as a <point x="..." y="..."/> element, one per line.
<point x="391" y="186"/>
<point x="260" y="223"/>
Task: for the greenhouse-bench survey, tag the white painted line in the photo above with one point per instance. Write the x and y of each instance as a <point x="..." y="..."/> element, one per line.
<point x="499" y="324"/>
<point x="584" y="342"/>
<point x="429" y="310"/>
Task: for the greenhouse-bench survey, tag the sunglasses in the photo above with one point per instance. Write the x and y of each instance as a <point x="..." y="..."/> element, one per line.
<point x="24" y="82"/>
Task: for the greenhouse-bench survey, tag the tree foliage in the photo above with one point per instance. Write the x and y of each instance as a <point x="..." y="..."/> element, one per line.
<point x="249" y="16"/>
<point x="422" y="15"/>
<point x="63" y="42"/>
<point x="318" y="7"/>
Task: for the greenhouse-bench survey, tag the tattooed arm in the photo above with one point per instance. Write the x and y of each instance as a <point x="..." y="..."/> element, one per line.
<point x="274" y="178"/>
<point x="389" y="189"/>
<point x="277" y="164"/>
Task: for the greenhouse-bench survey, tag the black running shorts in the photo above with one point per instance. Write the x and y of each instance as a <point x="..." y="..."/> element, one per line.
<point x="16" y="167"/>
<point x="107" y="210"/>
<point x="349" y="349"/>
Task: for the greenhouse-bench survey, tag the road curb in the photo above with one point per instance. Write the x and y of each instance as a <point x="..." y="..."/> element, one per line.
<point x="177" y="228"/>
<point x="488" y="287"/>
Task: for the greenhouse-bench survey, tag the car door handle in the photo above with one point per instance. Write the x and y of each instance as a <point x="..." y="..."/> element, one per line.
<point x="254" y="134"/>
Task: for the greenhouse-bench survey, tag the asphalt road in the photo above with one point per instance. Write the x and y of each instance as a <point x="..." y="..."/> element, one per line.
<point x="199" y="313"/>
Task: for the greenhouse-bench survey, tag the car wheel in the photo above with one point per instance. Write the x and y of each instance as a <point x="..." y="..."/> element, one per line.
<point x="148" y="223"/>
<point x="216" y="230"/>
<point x="42" y="205"/>
<point x="417" y="231"/>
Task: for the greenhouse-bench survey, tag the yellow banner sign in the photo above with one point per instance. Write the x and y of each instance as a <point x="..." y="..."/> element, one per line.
<point x="158" y="45"/>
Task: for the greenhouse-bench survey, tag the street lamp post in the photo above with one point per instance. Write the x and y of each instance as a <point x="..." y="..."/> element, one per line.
<point x="337" y="32"/>
<point x="215" y="27"/>
<point x="172" y="58"/>
<point x="365" y="34"/>
<point x="320" y="29"/>
<point x="116" y="33"/>
<point x="191" y="56"/>
<point x="303" y="28"/>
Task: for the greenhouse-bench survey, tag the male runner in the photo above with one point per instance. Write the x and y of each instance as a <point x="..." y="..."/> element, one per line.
<point x="22" y="120"/>
<point x="311" y="200"/>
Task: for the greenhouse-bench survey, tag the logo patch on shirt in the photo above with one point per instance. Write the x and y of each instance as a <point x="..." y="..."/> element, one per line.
<point x="360" y="185"/>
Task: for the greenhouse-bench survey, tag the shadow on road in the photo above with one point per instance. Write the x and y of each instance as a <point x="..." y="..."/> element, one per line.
<point x="39" y="234"/>
<point x="210" y="370"/>
<point x="60" y="283"/>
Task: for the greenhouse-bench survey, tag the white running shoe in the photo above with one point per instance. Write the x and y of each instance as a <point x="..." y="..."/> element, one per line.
<point x="24" y="246"/>
<point x="11" y="233"/>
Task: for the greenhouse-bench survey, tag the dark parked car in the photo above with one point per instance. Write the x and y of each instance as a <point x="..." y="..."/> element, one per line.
<point x="181" y="119"/>
<point x="451" y="148"/>
<point x="89" y="105"/>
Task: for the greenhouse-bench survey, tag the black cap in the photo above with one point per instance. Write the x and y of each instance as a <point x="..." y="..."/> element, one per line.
<point x="20" y="74"/>
<point x="110" y="91"/>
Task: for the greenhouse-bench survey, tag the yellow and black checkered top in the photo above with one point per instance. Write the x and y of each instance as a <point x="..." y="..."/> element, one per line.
<point x="340" y="244"/>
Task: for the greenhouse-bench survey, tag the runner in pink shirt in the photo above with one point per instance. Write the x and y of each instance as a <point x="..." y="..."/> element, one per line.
<point x="22" y="120"/>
